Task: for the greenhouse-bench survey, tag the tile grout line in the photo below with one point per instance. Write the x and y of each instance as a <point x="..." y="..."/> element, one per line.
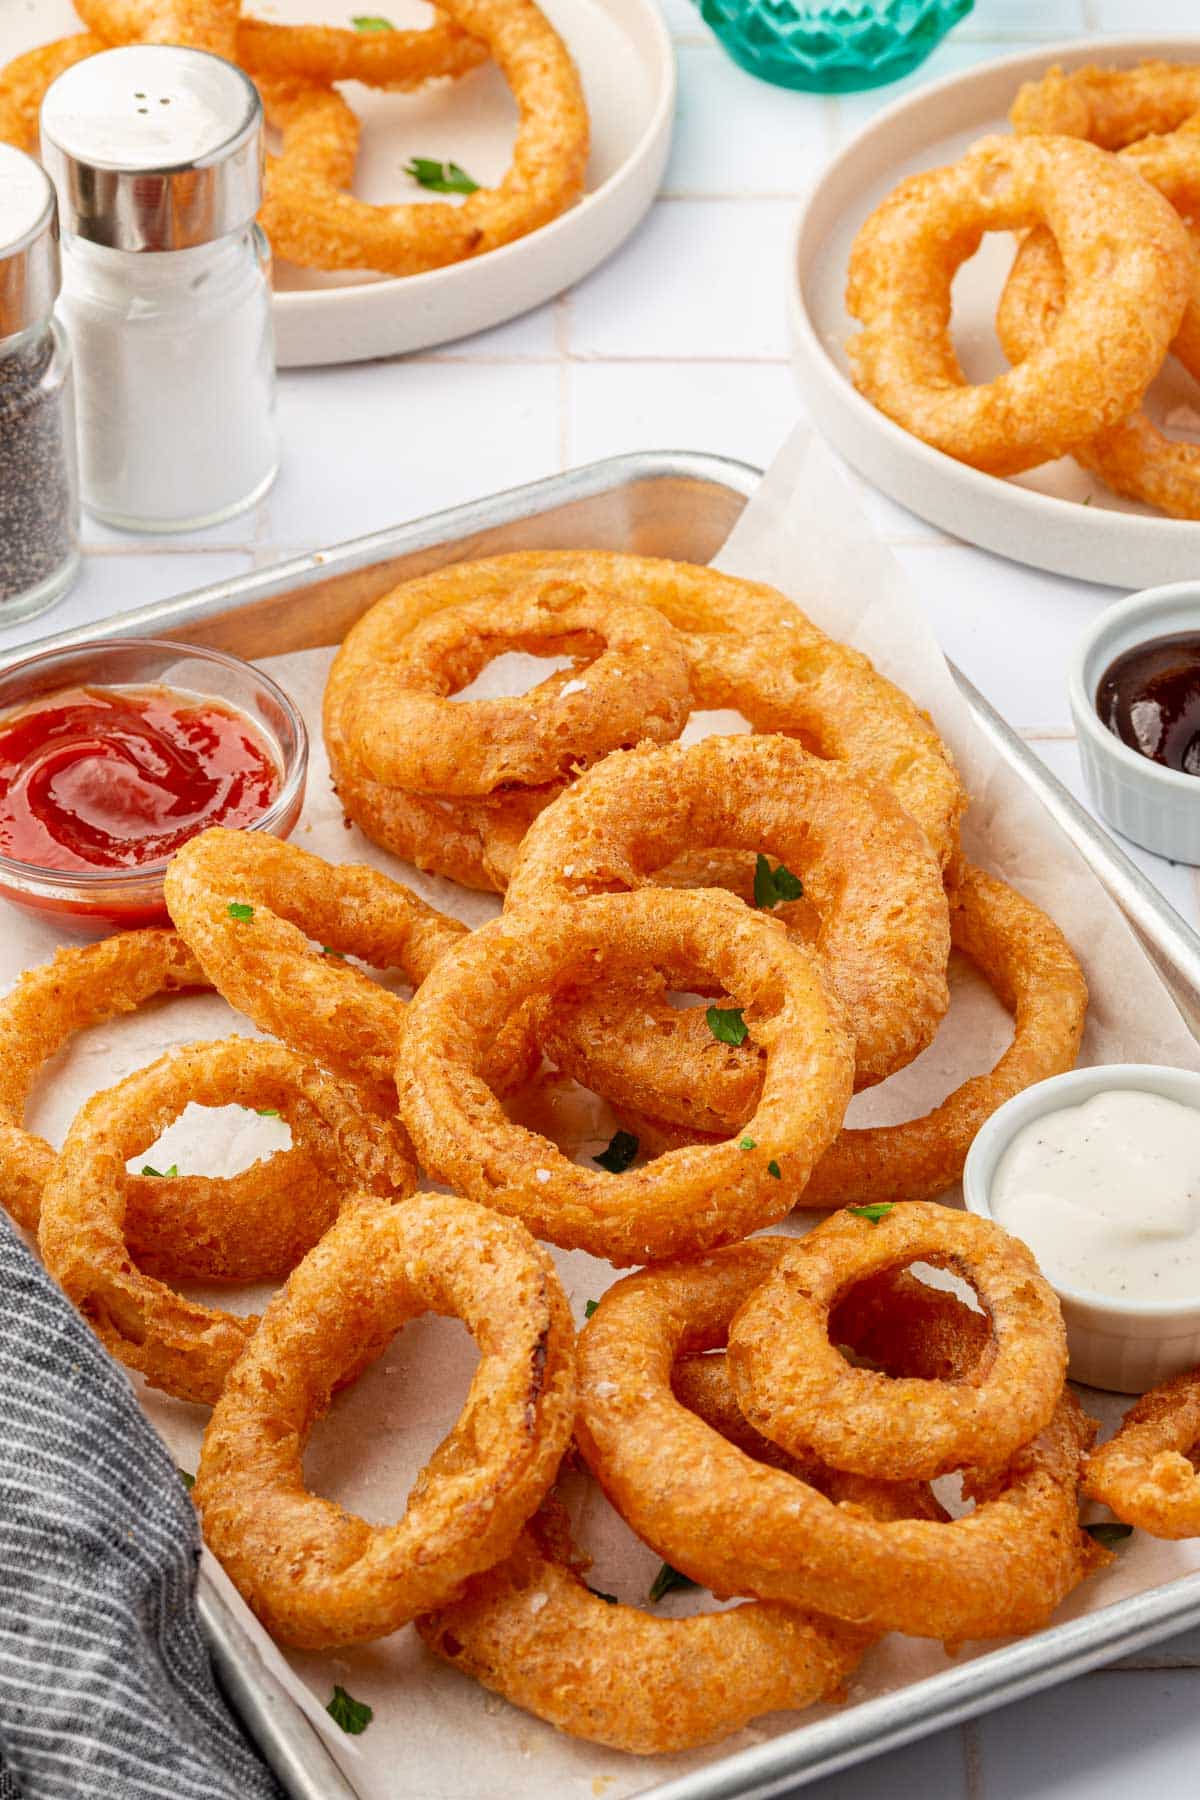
<point x="562" y="341"/>
<point x="972" y="1749"/>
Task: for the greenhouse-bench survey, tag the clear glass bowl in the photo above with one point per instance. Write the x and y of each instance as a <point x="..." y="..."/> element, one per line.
<point x="91" y="901"/>
<point x="833" y="49"/>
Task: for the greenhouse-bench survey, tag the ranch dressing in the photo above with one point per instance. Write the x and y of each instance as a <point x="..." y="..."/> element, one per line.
<point x="1107" y="1195"/>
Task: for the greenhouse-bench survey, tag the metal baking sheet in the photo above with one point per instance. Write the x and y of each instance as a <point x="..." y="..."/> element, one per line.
<point x="683" y="505"/>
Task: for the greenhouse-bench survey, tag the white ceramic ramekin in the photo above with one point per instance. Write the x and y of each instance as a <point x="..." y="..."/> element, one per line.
<point x="1157" y="807"/>
<point x="1125" y="1346"/>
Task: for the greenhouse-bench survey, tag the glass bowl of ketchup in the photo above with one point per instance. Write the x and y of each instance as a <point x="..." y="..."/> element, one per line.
<point x="114" y="753"/>
<point x="1134" y="686"/>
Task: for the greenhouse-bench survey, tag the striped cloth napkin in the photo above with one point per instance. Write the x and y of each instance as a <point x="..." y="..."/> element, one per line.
<point x="106" y="1690"/>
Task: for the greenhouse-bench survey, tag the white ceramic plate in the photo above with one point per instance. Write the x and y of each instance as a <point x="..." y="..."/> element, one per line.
<point x="1057" y="517"/>
<point x="625" y="58"/>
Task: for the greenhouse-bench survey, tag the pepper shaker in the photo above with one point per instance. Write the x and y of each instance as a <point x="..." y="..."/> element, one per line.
<point x="157" y="155"/>
<point x="39" y="500"/>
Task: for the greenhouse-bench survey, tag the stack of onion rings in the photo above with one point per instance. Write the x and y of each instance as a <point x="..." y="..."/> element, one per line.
<point x="1147" y="1474"/>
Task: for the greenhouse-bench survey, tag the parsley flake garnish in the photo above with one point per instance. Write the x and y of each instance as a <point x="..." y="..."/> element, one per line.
<point x="727" y="1024"/>
<point x="239" y="910"/>
<point x="267" y="1112"/>
<point x="667" y="1581"/>
<point x="1109" y="1533"/>
<point x="590" y="1308"/>
<point x="608" y="1599"/>
<point x="160" y="1174"/>
<point x="189" y="1481"/>
<point x="371" y="22"/>
<point x="773" y="885"/>
<point x="328" y="950"/>
<point x="747" y="1143"/>
<point x="878" y="1209"/>
<point x="439" y="177"/>
<point x="353" y="1716"/>
<point x="774" y="1169"/>
<point x="621" y="1151"/>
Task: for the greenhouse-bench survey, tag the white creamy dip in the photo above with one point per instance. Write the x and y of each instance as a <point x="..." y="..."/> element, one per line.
<point x="1107" y="1195"/>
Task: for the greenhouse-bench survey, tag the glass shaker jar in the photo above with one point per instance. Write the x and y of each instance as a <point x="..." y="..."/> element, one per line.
<point x="39" y="500"/>
<point x="156" y="152"/>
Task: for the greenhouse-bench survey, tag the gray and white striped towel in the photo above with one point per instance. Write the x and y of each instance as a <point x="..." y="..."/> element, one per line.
<point x="106" y="1691"/>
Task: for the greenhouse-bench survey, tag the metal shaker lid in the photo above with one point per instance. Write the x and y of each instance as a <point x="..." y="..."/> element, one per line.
<point x="154" y="147"/>
<point x="29" y="273"/>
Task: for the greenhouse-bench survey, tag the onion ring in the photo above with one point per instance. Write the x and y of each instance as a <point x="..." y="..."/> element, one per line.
<point x="1109" y="107"/>
<point x="398" y="60"/>
<point x="200" y="24"/>
<point x="1031" y="968"/>
<point x="1133" y="457"/>
<point x="1128" y="263"/>
<point x="23" y="84"/>
<point x="747" y="644"/>
<point x="1144" y="1473"/>
<point x="883" y="936"/>
<point x="248" y="1227"/>
<point x="740" y="1528"/>
<point x="691" y="1199"/>
<point x="311" y="218"/>
<point x="314" y="1574"/>
<point x="179" y="1346"/>
<point x="266" y="965"/>
<point x="630" y="684"/>
<point x="796" y="1388"/>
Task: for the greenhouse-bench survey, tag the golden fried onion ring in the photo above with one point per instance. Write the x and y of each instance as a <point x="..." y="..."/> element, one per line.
<point x="178" y="1345"/>
<point x="316" y="1575"/>
<point x="398" y="60"/>
<point x="1133" y="457"/>
<point x="23" y="84"/>
<point x="1145" y="1473"/>
<point x="200" y="24"/>
<point x="629" y="684"/>
<point x="883" y="935"/>
<point x="1109" y="107"/>
<point x="689" y="1200"/>
<point x="311" y="218"/>
<point x="1128" y="264"/>
<point x="740" y="1528"/>
<point x="795" y="1386"/>
<point x="1031" y="968"/>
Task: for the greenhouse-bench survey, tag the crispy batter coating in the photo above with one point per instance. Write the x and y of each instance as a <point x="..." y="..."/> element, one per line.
<point x="795" y="1386"/>
<point x="398" y="60"/>
<point x="315" y="1574"/>
<point x="269" y="966"/>
<point x="1145" y="1474"/>
<point x="629" y="683"/>
<point x="23" y="84"/>
<point x="201" y="24"/>
<point x="688" y="1200"/>
<point x="1109" y="107"/>
<point x="1133" y="457"/>
<point x="1128" y="264"/>
<point x="311" y="217"/>
<point x="178" y="1345"/>
<point x="741" y="1528"/>
<point x="883" y="934"/>
<point x="473" y="842"/>
<point x="1031" y="968"/>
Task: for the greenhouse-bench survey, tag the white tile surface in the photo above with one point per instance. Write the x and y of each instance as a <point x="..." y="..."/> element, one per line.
<point x="681" y="342"/>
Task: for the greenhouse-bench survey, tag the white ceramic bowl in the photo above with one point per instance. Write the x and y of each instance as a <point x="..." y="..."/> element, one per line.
<point x="1157" y="807"/>
<point x="1125" y="1346"/>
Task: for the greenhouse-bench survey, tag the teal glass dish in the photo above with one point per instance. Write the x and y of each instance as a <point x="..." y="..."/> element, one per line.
<point x="834" y="49"/>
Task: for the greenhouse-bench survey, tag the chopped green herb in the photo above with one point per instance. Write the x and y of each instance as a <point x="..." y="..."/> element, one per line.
<point x="747" y="1143"/>
<point x="328" y="950"/>
<point x="771" y="885"/>
<point x="608" y="1599"/>
<point x="189" y="1481"/>
<point x="727" y="1024"/>
<point x="160" y="1174"/>
<point x="439" y="177"/>
<point x="267" y="1112"/>
<point x="667" y="1581"/>
<point x="239" y="910"/>
<point x="878" y="1209"/>
<point x="774" y="1169"/>
<point x="370" y="22"/>
<point x="1109" y="1533"/>
<point x="352" y="1715"/>
<point x="1088" y="500"/>
<point x="590" y="1308"/>
<point x="621" y="1152"/>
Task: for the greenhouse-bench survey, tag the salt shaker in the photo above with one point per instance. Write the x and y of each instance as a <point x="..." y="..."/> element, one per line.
<point x="156" y="152"/>
<point x="39" y="502"/>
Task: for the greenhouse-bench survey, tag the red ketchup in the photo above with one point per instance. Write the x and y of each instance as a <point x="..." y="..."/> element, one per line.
<point x="105" y="779"/>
